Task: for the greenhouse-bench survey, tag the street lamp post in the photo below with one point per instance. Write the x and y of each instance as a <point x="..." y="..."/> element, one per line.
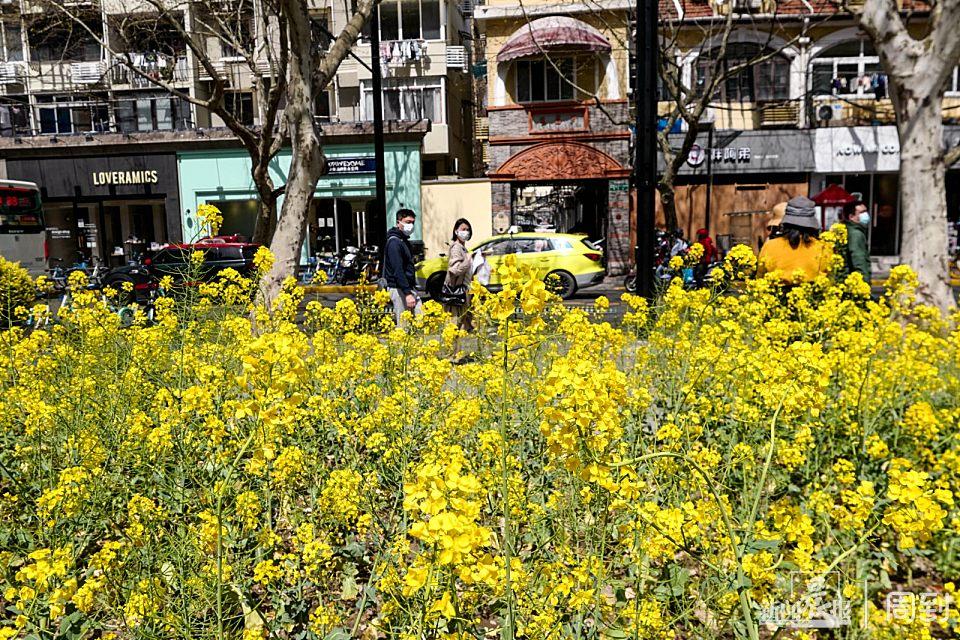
<point x="377" y="87"/>
<point x="645" y="143"/>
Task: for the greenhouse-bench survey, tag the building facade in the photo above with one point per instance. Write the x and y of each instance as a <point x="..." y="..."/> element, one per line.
<point x="816" y="106"/>
<point x="71" y="109"/>
<point x="557" y="114"/>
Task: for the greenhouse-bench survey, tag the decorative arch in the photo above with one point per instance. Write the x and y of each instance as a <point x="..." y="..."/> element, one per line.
<point x="551" y="161"/>
<point x="817" y="47"/>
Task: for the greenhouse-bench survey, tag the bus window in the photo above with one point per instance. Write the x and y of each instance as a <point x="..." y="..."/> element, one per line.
<point x="22" y="231"/>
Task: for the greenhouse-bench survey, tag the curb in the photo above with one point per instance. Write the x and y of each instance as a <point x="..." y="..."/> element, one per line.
<point x="335" y="288"/>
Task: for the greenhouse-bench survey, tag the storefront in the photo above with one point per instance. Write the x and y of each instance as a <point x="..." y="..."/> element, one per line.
<point x="343" y="212"/>
<point x="731" y="179"/>
<point x="109" y="207"/>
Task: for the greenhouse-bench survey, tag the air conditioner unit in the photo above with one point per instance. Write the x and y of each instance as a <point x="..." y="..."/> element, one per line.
<point x="456" y="57"/>
<point x="87" y="72"/>
<point x="12" y="72"/>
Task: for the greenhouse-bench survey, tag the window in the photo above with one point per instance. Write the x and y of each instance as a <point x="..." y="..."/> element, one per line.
<point x="498" y="248"/>
<point x="408" y="99"/>
<point x="240" y="104"/>
<point x="410" y="20"/>
<point x="12" y="43"/>
<point x="540" y="81"/>
<point x="849" y="69"/>
<point x="151" y="112"/>
<point x="768" y="79"/>
<point x="53" y="39"/>
<point x="953" y="82"/>
<point x="71" y="114"/>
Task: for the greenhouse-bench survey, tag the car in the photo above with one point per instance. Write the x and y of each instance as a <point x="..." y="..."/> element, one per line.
<point x="572" y="260"/>
<point x="219" y="253"/>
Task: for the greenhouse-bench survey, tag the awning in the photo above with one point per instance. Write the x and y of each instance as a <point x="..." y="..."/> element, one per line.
<point x="552" y="33"/>
<point x="833" y="196"/>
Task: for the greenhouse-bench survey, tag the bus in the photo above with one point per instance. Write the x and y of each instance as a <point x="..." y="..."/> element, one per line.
<point x="22" y="233"/>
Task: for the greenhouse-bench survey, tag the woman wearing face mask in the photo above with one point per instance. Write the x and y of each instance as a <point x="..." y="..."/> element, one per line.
<point x="856" y="219"/>
<point x="454" y="296"/>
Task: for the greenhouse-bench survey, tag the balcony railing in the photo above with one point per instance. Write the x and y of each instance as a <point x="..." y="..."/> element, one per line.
<point x="835" y="111"/>
<point x="175" y="72"/>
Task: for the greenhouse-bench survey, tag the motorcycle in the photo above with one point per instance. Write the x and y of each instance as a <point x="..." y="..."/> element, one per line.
<point x="355" y="264"/>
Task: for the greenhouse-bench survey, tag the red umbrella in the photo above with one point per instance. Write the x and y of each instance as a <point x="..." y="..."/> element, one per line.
<point x="833" y="196"/>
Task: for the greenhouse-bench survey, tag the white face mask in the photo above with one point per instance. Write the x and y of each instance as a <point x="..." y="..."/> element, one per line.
<point x="464" y="234"/>
<point x="406" y="228"/>
<point x="864" y="218"/>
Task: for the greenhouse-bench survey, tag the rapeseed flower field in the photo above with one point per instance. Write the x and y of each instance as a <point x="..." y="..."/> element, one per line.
<point x="723" y="464"/>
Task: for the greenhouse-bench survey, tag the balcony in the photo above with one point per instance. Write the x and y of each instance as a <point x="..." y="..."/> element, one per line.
<point x="174" y="72"/>
<point x="837" y="111"/>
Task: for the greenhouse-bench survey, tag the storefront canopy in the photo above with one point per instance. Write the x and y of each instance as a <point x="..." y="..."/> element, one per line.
<point x="833" y="196"/>
<point x="552" y="32"/>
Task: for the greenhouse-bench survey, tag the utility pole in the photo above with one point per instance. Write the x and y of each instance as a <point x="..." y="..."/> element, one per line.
<point x="645" y="143"/>
<point x="375" y="72"/>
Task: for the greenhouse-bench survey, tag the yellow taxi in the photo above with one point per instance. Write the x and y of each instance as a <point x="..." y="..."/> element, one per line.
<point x="572" y="260"/>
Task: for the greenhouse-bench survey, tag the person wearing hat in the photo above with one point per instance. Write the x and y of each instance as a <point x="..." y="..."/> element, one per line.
<point x="856" y="255"/>
<point x="776" y="219"/>
<point x="797" y="255"/>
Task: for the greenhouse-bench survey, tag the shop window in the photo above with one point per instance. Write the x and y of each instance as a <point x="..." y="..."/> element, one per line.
<point x="239" y="216"/>
<point x="70" y="114"/>
<point x="240" y="104"/>
<point x="545" y="81"/>
<point x="410" y="20"/>
<point x="744" y="79"/>
<point x="850" y="69"/>
<point x="408" y="99"/>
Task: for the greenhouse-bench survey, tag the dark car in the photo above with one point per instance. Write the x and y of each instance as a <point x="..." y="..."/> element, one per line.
<point x="219" y="253"/>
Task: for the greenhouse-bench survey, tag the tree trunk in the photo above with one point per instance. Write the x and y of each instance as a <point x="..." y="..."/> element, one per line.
<point x="308" y="162"/>
<point x="923" y="194"/>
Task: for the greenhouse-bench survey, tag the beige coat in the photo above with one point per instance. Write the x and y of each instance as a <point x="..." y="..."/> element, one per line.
<point x="459" y="266"/>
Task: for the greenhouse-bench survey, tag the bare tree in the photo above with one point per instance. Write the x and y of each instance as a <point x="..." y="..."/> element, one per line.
<point x="310" y="72"/>
<point x="714" y="65"/>
<point x="209" y="29"/>
<point x="917" y="69"/>
<point x="277" y="44"/>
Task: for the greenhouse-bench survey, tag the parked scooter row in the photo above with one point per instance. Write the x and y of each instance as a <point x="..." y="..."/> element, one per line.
<point x="349" y="266"/>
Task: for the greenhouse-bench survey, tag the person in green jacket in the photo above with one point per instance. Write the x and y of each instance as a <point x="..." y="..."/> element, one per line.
<point x="857" y="254"/>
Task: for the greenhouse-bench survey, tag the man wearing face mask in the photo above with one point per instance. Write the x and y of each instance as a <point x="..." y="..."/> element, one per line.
<point x="398" y="268"/>
<point x="856" y="219"/>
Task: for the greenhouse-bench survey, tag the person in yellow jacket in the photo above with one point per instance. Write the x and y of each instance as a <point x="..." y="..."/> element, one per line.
<point x="798" y="255"/>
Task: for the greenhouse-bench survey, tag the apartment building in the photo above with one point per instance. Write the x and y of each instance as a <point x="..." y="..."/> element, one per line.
<point x="111" y="148"/>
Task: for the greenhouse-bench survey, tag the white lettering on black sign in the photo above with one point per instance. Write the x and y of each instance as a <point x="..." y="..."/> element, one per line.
<point x="103" y="178"/>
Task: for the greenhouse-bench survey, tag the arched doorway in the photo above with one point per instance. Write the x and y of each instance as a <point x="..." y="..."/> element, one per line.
<point x="567" y="187"/>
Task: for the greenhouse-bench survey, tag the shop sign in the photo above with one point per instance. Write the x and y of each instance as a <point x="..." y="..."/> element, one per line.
<point x="731" y="154"/>
<point x="558" y="121"/>
<point x="856" y="149"/>
<point x="341" y="166"/>
<point x="696" y="156"/>
<point x="105" y="178"/>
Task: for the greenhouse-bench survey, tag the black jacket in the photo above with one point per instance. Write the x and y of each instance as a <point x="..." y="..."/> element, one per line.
<point x="398" y="268"/>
